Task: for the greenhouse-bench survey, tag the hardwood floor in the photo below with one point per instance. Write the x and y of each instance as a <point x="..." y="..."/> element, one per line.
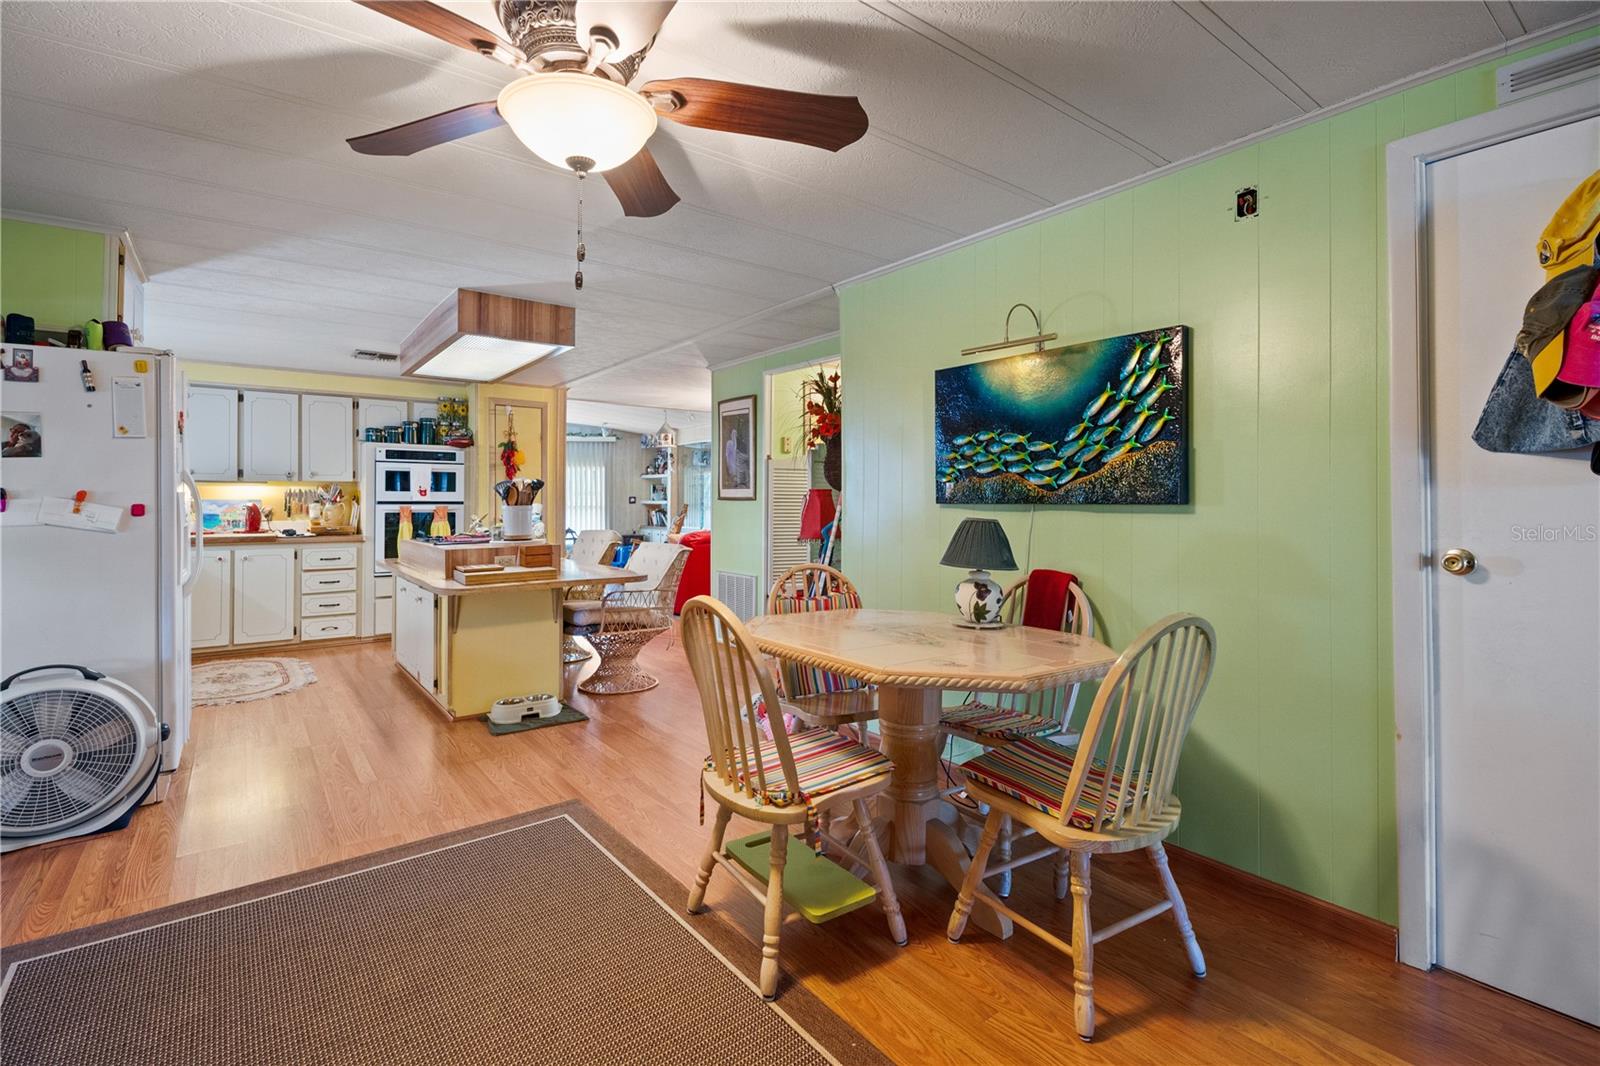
<point x="358" y="762"/>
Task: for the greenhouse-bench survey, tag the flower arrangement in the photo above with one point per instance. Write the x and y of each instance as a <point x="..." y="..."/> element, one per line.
<point x="823" y="397"/>
<point x="511" y="457"/>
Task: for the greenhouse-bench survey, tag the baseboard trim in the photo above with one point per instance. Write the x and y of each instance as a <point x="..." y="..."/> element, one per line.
<point x="236" y="651"/>
<point x="1348" y="926"/>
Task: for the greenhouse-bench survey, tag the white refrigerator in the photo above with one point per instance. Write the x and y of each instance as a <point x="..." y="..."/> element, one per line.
<point x="114" y="598"/>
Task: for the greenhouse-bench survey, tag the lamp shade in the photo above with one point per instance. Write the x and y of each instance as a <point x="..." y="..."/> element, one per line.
<point x="816" y="514"/>
<point x="979" y="544"/>
<point x="566" y="115"/>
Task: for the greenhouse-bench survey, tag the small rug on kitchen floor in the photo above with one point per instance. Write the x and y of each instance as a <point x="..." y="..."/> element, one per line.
<point x="242" y="680"/>
<point x="545" y="938"/>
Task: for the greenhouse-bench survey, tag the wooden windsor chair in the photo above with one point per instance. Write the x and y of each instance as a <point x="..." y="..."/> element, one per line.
<point x="1112" y="792"/>
<point x="780" y="779"/>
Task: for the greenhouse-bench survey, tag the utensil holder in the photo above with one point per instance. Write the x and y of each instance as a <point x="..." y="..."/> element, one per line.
<point x="518" y="521"/>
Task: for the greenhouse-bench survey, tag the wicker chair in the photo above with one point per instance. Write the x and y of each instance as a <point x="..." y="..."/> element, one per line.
<point x="819" y="698"/>
<point x="594" y="547"/>
<point x="782" y="781"/>
<point x="627" y="617"/>
<point x="1112" y="792"/>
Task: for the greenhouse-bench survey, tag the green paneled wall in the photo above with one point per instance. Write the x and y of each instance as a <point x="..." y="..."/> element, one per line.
<point x="55" y="275"/>
<point x="737" y="525"/>
<point x="1290" y="770"/>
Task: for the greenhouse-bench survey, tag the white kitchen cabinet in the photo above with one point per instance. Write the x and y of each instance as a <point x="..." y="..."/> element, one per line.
<point x="424" y="409"/>
<point x="266" y="595"/>
<point x="415" y="637"/>
<point x="211" y="601"/>
<point x="327" y="438"/>
<point x="269" y="436"/>
<point x="377" y="413"/>
<point x="211" y="432"/>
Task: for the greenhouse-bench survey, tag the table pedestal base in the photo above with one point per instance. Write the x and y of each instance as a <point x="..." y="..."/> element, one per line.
<point x="908" y="719"/>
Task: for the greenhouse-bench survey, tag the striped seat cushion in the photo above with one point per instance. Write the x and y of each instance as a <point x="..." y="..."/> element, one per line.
<point x="1036" y="772"/>
<point x="800" y="681"/>
<point x="824" y="762"/>
<point x="987" y="724"/>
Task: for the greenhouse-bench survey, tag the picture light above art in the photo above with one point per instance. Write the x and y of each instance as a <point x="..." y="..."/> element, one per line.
<point x="1104" y="422"/>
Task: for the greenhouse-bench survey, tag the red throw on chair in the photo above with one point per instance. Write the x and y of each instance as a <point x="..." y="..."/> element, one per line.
<point x="696" y="580"/>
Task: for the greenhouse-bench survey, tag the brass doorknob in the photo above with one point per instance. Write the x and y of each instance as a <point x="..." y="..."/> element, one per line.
<point x="1458" y="561"/>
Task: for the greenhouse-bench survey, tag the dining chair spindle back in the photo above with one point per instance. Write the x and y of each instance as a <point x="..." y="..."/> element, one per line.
<point x="767" y="775"/>
<point x="1112" y="792"/>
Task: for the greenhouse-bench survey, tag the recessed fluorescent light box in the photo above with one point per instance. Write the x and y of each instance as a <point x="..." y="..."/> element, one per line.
<point x="479" y="336"/>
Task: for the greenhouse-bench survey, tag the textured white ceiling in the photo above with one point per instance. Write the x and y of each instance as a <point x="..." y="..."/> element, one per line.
<point x="214" y="132"/>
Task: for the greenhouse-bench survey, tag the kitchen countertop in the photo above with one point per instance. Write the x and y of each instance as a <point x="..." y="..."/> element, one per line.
<point x="229" y="540"/>
<point x="571" y="574"/>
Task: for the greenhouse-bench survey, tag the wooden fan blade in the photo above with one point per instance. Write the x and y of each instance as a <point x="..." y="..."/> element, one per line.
<point x="829" y="122"/>
<point x="449" y="27"/>
<point x="641" y="186"/>
<point x="442" y="128"/>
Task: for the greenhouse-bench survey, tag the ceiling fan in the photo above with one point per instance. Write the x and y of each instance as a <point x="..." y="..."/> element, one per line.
<point x="573" y="108"/>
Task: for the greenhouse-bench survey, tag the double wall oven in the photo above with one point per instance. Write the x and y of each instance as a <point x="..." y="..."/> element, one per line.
<point x="421" y="478"/>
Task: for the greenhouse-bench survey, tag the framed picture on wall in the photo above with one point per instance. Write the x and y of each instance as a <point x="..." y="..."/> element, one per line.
<point x="1105" y="422"/>
<point x="736" y="430"/>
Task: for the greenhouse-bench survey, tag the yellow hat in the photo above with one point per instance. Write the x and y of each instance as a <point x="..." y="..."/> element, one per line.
<point x="1568" y="241"/>
<point x="1569" y="238"/>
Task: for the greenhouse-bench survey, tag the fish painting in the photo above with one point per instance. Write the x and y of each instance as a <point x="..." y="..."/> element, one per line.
<point x="1043" y="427"/>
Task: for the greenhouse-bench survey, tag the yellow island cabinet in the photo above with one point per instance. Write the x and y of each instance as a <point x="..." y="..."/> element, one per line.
<point x="467" y="644"/>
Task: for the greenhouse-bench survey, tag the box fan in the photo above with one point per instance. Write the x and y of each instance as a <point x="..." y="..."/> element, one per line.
<point x="77" y="754"/>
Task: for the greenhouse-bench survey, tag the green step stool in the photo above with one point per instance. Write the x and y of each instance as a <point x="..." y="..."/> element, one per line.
<point x="816" y="887"/>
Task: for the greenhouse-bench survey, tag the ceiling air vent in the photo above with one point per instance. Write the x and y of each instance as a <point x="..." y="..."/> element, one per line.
<point x="377" y="357"/>
<point x="1550" y="70"/>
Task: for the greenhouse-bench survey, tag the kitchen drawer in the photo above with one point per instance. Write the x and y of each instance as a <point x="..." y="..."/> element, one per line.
<point x="327" y="628"/>
<point x="383" y="587"/>
<point x="327" y="603"/>
<point x="328" y="581"/>
<point x="335" y="557"/>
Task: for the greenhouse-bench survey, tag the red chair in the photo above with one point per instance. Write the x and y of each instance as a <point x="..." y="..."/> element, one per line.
<point x="696" y="580"/>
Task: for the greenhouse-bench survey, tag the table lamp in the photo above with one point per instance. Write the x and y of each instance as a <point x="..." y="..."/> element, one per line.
<point x="980" y="545"/>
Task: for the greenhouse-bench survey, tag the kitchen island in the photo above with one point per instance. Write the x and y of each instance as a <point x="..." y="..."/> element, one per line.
<point x="468" y="645"/>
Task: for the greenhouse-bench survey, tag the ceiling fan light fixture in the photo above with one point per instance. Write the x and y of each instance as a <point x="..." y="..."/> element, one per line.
<point x="566" y="115"/>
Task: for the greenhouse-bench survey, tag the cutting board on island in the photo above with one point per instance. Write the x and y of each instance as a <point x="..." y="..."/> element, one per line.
<point x="531" y="562"/>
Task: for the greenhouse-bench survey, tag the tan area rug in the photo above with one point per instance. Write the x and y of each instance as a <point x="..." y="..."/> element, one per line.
<point x="243" y="680"/>
<point x="542" y="939"/>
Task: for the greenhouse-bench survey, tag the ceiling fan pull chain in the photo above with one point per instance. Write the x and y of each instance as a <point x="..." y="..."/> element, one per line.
<point x="577" y="278"/>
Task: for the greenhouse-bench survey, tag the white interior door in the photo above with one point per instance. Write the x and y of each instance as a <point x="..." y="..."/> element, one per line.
<point x="1518" y="800"/>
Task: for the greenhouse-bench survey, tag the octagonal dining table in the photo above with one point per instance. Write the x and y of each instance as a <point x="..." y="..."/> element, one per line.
<point x="914" y="657"/>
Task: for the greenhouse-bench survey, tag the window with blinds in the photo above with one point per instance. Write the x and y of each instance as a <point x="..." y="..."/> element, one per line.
<point x="586" y="485"/>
